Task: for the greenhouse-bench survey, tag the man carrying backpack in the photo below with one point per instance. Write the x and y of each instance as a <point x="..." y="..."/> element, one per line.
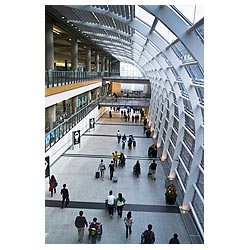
<point x="80" y="223"/>
<point x="148" y="236"/>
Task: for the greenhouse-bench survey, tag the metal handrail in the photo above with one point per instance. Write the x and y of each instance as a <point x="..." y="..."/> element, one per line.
<point x="59" y="78"/>
<point x="54" y="135"/>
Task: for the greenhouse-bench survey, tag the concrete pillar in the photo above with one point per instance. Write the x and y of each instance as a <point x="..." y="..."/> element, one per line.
<point x="88" y="59"/>
<point x="97" y="59"/>
<point x="103" y="64"/>
<point x="74" y="54"/>
<point x="50" y="116"/>
<point x="75" y="104"/>
<point x="107" y="64"/>
<point x="49" y="46"/>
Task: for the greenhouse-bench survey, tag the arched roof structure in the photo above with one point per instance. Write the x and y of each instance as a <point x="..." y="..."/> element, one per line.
<point x="169" y="50"/>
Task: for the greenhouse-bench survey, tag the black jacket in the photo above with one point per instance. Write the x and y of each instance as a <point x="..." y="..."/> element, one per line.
<point x="174" y="241"/>
<point x="81" y="221"/>
<point x="65" y="192"/>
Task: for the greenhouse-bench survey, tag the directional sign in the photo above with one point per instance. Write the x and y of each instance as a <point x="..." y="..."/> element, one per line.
<point x="47" y="167"/>
<point x="76" y="137"/>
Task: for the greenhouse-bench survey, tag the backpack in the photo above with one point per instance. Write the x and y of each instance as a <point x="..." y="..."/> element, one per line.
<point x="147" y="237"/>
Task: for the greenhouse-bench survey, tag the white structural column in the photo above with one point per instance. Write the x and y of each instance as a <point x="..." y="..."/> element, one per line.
<point x="88" y="62"/>
<point x="49" y="46"/>
<point x="74" y="54"/>
<point x="97" y="60"/>
<point x="198" y="121"/>
<point x="191" y="41"/>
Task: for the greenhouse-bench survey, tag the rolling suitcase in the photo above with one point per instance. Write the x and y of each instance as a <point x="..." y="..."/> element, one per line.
<point x="114" y="179"/>
<point x="97" y="174"/>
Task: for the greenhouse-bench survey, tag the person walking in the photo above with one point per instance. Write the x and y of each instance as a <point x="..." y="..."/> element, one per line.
<point x="111" y="169"/>
<point x="128" y="223"/>
<point x="119" y="136"/>
<point x="152" y="168"/>
<point x="174" y="239"/>
<point x="111" y="203"/>
<point x="65" y="196"/>
<point x="120" y="202"/>
<point x="102" y="168"/>
<point x="52" y="185"/>
<point x="122" y="160"/>
<point x="115" y="157"/>
<point x="80" y="223"/>
<point x="148" y="236"/>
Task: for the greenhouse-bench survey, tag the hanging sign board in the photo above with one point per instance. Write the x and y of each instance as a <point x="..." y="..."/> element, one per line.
<point x="47" y="167"/>
<point x="92" y="123"/>
<point x="76" y="137"/>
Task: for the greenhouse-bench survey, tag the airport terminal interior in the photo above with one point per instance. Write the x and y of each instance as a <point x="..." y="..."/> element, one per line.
<point x="139" y="70"/>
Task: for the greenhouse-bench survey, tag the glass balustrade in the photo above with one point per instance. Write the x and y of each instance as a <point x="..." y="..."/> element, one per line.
<point x="54" y="135"/>
<point x="59" y="78"/>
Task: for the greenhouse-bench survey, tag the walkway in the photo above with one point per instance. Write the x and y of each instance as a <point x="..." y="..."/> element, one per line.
<point x="145" y="197"/>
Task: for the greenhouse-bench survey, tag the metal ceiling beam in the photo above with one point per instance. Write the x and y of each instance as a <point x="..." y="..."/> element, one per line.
<point x="176" y="25"/>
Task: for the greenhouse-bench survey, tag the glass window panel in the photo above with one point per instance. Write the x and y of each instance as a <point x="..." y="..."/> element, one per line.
<point x="175" y="124"/>
<point x="162" y="107"/>
<point x="165" y="32"/>
<point x="182" y="52"/>
<point x="176" y="111"/>
<point x="192" y="12"/>
<point x="140" y="36"/>
<point x="177" y="77"/>
<point x="173" y="137"/>
<point x="167" y="114"/>
<point x="164" y="134"/>
<point x="200" y="183"/>
<point x="182" y="173"/>
<point x="202" y="160"/>
<point x="160" y="117"/>
<point x="189" y="141"/>
<point x="182" y="89"/>
<point x="127" y="69"/>
<point x="186" y="157"/>
<point x="171" y="150"/>
<point x="199" y="209"/>
<point x="189" y="123"/>
<point x="200" y="93"/>
<point x="153" y="47"/>
<point x="144" y="15"/>
<point x="195" y="73"/>
<point x="166" y="124"/>
<point x="187" y="106"/>
<point x="169" y="162"/>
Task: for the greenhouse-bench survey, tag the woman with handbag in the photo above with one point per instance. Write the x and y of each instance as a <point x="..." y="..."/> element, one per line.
<point x="52" y="185"/>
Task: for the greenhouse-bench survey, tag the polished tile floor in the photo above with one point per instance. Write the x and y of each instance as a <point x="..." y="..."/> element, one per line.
<point x="144" y="196"/>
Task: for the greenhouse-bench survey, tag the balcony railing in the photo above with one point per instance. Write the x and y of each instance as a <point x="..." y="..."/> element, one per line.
<point x="59" y="78"/>
<point x="54" y="135"/>
<point x="121" y="101"/>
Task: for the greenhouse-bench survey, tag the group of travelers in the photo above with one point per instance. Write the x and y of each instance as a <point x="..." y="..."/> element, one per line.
<point x="114" y="204"/>
<point x="118" y="160"/>
<point x="131" y="140"/>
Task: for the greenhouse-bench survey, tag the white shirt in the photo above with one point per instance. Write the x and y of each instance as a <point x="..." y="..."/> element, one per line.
<point x="111" y="199"/>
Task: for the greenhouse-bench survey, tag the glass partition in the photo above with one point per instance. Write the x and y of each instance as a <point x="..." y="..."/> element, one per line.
<point x="62" y="129"/>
